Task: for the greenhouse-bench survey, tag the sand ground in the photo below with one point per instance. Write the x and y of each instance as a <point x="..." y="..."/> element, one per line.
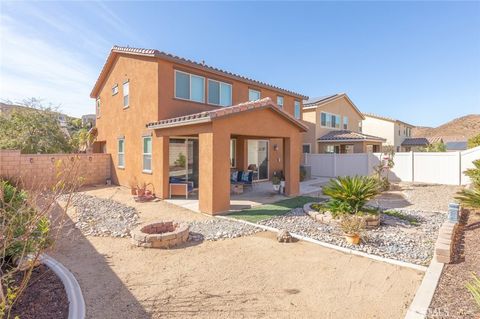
<point x="248" y="277"/>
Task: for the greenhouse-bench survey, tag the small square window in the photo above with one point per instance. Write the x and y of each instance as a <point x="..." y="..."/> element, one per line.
<point x="253" y="95"/>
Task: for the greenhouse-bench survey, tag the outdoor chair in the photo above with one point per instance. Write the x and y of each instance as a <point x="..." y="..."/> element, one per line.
<point x="180" y="187"/>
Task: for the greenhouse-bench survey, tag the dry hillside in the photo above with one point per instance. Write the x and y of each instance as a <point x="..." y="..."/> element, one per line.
<point x="459" y="129"/>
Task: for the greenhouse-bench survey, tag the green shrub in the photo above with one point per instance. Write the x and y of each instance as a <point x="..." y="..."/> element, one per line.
<point x="471" y="197"/>
<point x="23" y="230"/>
<point x="350" y="194"/>
<point x="474" y="288"/>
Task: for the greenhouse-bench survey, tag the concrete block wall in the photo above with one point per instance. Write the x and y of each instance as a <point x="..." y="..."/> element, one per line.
<point x="45" y="170"/>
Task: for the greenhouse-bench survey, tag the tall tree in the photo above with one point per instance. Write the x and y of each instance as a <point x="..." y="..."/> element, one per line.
<point x="33" y="129"/>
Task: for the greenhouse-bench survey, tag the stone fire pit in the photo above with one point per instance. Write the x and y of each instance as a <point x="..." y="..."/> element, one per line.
<point x="160" y="234"/>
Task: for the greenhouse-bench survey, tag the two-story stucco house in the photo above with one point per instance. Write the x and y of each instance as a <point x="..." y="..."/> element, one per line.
<point x="394" y="132"/>
<point x="335" y="126"/>
<point x="164" y="118"/>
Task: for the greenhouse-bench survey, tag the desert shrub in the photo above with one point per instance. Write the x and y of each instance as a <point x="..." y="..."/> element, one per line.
<point x="350" y="194"/>
<point x="474" y="288"/>
<point x="473" y="141"/>
<point x="24" y="231"/>
<point x="471" y="197"/>
<point x="352" y="225"/>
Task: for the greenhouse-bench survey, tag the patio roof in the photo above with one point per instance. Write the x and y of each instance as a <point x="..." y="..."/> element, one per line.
<point x="349" y="136"/>
<point x="209" y="116"/>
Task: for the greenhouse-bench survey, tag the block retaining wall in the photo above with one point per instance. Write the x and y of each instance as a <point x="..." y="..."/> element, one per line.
<point x="34" y="170"/>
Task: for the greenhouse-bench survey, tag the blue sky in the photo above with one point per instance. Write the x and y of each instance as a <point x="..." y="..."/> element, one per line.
<point x="415" y="61"/>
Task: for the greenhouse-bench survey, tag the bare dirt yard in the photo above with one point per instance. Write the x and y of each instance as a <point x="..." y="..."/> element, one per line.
<point x="245" y="277"/>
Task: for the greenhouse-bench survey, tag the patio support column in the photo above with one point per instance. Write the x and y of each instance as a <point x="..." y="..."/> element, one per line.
<point x="292" y="164"/>
<point x="242" y="153"/>
<point x="160" y="149"/>
<point x="214" y="166"/>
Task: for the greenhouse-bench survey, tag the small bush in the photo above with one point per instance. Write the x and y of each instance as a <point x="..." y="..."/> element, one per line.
<point x="352" y="225"/>
<point x="350" y="194"/>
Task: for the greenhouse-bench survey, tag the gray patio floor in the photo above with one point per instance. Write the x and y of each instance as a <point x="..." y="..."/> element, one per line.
<point x="261" y="193"/>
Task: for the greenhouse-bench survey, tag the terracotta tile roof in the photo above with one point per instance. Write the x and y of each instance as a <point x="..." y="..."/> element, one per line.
<point x="421" y="141"/>
<point x="167" y="56"/>
<point x="346" y="135"/>
<point x="385" y="118"/>
<point x="208" y="116"/>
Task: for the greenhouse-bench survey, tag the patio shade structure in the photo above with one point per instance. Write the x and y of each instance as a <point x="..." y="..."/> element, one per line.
<point x="261" y="119"/>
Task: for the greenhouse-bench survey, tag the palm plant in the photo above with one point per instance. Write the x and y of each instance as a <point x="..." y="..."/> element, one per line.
<point x="471" y="197"/>
<point x="352" y="193"/>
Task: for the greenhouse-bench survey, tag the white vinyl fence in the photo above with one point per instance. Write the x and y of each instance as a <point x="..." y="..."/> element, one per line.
<point x="439" y="168"/>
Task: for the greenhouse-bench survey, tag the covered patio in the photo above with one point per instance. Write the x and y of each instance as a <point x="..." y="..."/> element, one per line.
<point x="262" y="193"/>
<point x="207" y="137"/>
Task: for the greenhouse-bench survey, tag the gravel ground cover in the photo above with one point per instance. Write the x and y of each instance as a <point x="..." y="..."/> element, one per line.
<point x="103" y="217"/>
<point x="396" y="238"/>
<point x="216" y="229"/>
<point x="452" y="300"/>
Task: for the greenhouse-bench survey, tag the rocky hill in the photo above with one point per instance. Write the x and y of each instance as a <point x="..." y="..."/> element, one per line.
<point x="459" y="129"/>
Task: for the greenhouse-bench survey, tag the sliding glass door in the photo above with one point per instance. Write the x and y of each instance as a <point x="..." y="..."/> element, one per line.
<point x="258" y="158"/>
<point x="183" y="159"/>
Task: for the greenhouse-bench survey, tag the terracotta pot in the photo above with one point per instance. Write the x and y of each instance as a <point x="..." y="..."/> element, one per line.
<point x="352" y="239"/>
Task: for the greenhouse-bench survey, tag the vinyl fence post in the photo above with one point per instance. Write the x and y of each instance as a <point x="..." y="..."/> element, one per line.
<point x="334" y="165"/>
<point x="412" y="155"/>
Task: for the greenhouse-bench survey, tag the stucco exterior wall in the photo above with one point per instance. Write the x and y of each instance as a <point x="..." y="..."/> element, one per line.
<point x="340" y="107"/>
<point x="380" y="128"/>
<point x="152" y="98"/>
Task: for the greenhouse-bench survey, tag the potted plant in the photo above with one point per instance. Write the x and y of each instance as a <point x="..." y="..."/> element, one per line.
<point x="276" y="183"/>
<point x="133" y="187"/>
<point x="352" y="227"/>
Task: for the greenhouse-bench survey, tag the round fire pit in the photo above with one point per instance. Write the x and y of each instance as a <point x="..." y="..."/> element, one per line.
<point x="160" y="234"/>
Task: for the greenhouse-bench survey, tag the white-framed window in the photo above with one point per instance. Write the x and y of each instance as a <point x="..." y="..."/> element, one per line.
<point x="126" y="93"/>
<point x="280" y="101"/>
<point x="121" y="152"/>
<point x="306" y="148"/>
<point x="296" y="111"/>
<point x="253" y="95"/>
<point x="233" y="153"/>
<point x="97" y="106"/>
<point x="345" y="122"/>
<point x="219" y="93"/>
<point x="189" y="87"/>
<point x="330" y="120"/>
<point x="115" y="89"/>
<point x="147" y="154"/>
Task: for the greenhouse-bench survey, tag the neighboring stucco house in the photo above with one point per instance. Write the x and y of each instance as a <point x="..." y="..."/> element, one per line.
<point x="392" y="130"/>
<point x="335" y="126"/>
<point x="163" y="117"/>
<point x="416" y="144"/>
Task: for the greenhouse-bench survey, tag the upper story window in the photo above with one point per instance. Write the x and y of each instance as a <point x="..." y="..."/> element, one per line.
<point x="121" y="152"/>
<point x="296" y="111"/>
<point x="115" y="89"/>
<point x="97" y="106"/>
<point x="219" y="93"/>
<point x="280" y="101"/>
<point x="345" y="122"/>
<point x="253" y="95"/>
<point x="189" y="87"/>
<point x="147" y="154"/>
<point x="126" y="93"/>
<point x="330" y="120"/>
<point x="360" y="126"/>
